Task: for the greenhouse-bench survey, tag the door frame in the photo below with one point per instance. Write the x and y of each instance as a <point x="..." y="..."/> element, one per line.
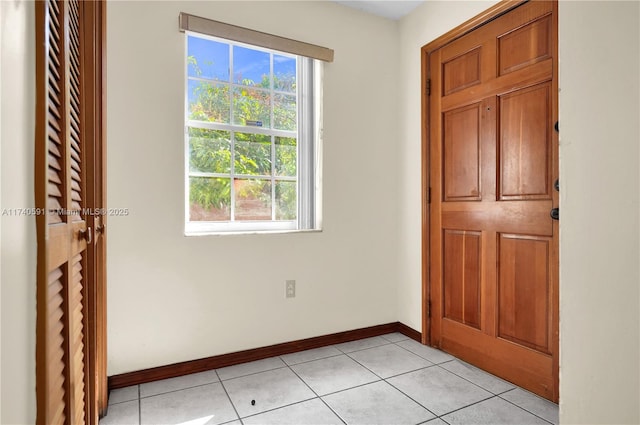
<point x="479" y="20"/>
<point x="95" y="54"/>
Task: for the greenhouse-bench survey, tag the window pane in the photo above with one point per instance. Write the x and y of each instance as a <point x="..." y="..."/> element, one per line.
<point x="251" y="67"/>
<point x="286" y="200"/>
<point x="253" y="199"/>
<point x="251" y="107"/>
<point x="209" y="151"/>
<point x="208" y="102"/>
<point x="209" y="199"/>
<point x="284" y="73"/>
<point x="253" y="154"/>
<point x="284" y="112"/>
<point x="207" y="59"/>
<point x="286" y="156"/>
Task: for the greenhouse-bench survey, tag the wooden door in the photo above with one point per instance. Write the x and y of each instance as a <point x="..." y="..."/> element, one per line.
<point x="94" y="19"/>
<point x="67" y="135"/>
<point x="493" y="162"/>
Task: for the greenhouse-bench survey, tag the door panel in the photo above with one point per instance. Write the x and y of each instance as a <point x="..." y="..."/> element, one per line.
<point x="525" y="130"/>
<point x="61" y="366"/>
<point x="461" y="148"/>
<point x="493" y="157"/>
<point x="461" y="72"/>
<point x="64" y="366"/>
<point x="461" y="276"/>
<point x="525" y="46"/>
<point x="523" y="288"/>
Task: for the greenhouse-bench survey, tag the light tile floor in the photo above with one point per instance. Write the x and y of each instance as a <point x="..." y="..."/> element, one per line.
<point x="388" y="379"/>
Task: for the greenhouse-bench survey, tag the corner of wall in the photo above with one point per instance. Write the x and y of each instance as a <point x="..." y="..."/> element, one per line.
<point x="18" y="241"/>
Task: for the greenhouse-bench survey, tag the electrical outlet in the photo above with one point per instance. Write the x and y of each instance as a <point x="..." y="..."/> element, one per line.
<point x="290" y="288"/>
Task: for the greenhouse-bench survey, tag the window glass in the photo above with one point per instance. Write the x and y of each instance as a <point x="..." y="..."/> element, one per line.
<point x="243" y="145"/>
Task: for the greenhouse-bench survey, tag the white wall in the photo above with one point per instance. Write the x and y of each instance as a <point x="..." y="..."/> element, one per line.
<point x="18" y="240"/>
<point x="1" y="22"/>
<point x="599" y="278"/>
<point x="599" y="235"/>
<point x="172" y="298"/>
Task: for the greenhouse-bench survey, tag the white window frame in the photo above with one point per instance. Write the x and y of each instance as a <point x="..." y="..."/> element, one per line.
<point x="308" y="137"/>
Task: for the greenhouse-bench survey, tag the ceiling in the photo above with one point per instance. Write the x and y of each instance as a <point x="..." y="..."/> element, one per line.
<point x="385" y="8"/>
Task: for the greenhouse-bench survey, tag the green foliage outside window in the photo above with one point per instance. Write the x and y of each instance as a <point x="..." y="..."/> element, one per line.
<point x="210" y="150"/>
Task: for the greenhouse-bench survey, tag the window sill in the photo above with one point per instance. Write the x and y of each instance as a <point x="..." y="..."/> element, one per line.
<point x="249" y="232"/>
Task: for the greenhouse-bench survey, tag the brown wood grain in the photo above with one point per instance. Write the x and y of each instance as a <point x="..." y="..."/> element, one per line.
<point x="94" y="70"/>
<point x="525" y="144"/>
<point x="525" y="46"/>
<point x="461" y="72"/>
<point x="523" y="288"/>
<point x="461" y="276"/>
<point x="425" y="198"/>
<point x="461" y="152"/>
<point x="531" y="370"/>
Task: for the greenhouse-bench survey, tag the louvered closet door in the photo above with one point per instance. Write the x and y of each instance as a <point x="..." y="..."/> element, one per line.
<point x="62" y="230"/>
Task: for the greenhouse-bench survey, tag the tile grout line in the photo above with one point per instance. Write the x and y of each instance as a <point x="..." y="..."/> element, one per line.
<point x="399" y="374"/>
<point x="278" y="408"/>
<point x="249" y="374"/>
<point x="526" y="410"/>
<point x="409" y="371"/>
<point x="407" y="395"/>
<point x="387" y="342"/>
<point x="492" y="394"/>
<point x="351" y="388"/>
<point x="348" y="355"/>
<point x="429" y="360"/>
<point x="314" y="360"/>
<point x="495" y="394"/>
<point x="228" y="397"/>
<point x="396" y="344"/>
<point x="111" y="403"/>
<point x="181" y="389"/>
<point x="317" y="395"/>
<point x="285" y="364"/>
<point x="507" y="391"/>
<point x="477" y="385"/>
<point x="443" y="420"/>
<point x="241" y="418"/>
<point x="139" y="406"/>
<point x="468" y="405"/>
<point x="400" y="340"/>
<point x="391" y="385"/>
<point x="415" y="401"/>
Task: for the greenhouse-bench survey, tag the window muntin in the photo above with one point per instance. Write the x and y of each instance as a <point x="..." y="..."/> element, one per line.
<point x="249" y="137"/>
